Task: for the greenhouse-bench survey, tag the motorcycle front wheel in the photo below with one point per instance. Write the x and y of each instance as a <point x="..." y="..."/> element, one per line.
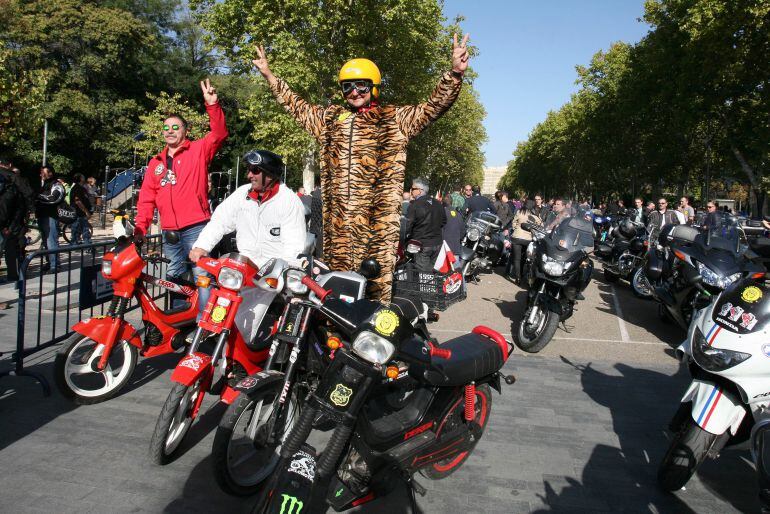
<point x="77" y="376"/>
<point x="533" y="337"/>
<point x="174" y="421"/>
<point x="243" y="461"/>
<point x="640" y="285"/>
<point x="687" y="451"/>
<point x="453" y="419"/>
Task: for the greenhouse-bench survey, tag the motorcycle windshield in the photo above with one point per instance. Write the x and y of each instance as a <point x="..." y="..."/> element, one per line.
<point x="574" y="234"/>
<point x="722" y="231"/>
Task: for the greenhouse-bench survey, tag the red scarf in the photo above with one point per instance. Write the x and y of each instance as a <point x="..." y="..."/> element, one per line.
<point x="263" y="196"/>
<point x="372" y="104"/>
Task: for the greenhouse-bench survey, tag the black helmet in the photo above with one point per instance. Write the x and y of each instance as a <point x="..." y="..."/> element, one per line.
<point x="265" y="161"/>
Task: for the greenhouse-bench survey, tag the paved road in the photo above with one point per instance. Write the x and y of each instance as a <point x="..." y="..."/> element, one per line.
<point x="581" y="430"/>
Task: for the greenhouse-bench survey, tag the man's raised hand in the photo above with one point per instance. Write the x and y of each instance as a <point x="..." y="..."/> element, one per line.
<point x="261" y="61"/>
<point x="209" y="92"/>
<point x="460" y="54"/>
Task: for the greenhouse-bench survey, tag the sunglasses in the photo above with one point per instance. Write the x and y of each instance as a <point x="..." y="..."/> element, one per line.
<point x="171" y="127"/>
<point x="361" y="86"/>
<point x="711" y="206"/>
<point x="416" y="189"/>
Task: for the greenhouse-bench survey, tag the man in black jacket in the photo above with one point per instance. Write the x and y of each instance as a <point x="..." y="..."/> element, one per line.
<point x="51" y="194"/>
<point x="424" y="220"/>
<point x="478" y="203"/>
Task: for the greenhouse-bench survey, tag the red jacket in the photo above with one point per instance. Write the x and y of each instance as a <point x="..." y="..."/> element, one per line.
<point x="181" y="196"/>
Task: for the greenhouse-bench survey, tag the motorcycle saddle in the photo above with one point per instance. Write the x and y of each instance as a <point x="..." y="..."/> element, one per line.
<point x="473" y="357"/>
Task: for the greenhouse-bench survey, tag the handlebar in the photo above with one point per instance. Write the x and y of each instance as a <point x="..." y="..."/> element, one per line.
<point x="315" y="287"/>
<point x="156" y="258"/>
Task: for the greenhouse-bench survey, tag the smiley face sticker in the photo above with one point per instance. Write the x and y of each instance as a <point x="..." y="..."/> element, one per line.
<point x="751" y="294"/>
<point x="218" y="314"/>
<point x="386" y="322"/>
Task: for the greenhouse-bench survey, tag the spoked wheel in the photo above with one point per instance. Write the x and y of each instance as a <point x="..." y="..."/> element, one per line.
<point x="243" y="458"/>
<point x="453" y="419"/>
<point x="534" y="336"/>
<point x="78" y="377"/>
<point x="688" y="450"/>
<point x="174" y="422"/>
<point x="640" y="285"/>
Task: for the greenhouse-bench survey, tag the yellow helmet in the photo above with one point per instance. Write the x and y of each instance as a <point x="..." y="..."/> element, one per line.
<point x="362" y="69"/>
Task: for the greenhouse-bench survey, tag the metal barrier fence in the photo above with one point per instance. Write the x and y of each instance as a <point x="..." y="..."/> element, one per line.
<point x="78" y="284"/>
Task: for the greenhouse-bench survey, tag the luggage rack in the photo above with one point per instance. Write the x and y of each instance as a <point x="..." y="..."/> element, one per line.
<point x="437" y="290"/>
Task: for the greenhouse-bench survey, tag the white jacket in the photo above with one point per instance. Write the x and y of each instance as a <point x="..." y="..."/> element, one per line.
<point x="273" y="229"/>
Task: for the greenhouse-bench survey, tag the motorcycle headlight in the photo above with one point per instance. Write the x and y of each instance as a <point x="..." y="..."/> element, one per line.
<point x="230" y="278"/>
<point x="373" y="348"/>
<point x="553" y="267"/>
<point x="714" y="359"/>
<point x="107" y="268"/>
<point x="474" y="234"/>
<point x="713" y="279"/>
<point x="294" y="282"/>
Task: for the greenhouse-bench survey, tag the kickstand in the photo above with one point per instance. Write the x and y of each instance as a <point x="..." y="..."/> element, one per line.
<point x="414" y="487"/>
<point x="566" y="328"/>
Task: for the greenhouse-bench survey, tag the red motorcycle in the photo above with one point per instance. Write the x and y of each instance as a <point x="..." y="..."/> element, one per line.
<point x="194" y="375"/>
<point x="98" y="360"/>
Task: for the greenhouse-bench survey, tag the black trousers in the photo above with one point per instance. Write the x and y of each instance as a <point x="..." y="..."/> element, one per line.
<point x="426" y="258"/>
<point x="14" y="252"/>
<point x="516" y="259"/>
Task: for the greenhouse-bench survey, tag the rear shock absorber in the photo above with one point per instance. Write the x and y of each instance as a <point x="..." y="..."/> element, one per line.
<point x="470" y="402"/>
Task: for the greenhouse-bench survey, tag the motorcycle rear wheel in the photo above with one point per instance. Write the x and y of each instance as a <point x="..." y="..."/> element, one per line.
<point x="534" y="340"/>
<point x="687" y="451"/>
<point x="174" y="422"/>
<point x="446" y="467"/>
<point x="75" y="369"/>
<point x="640" y="285"/>
<point x="241" y="464"/>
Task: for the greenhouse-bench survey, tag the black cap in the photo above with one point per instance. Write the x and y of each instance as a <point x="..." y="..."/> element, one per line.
<point x="266" y="161"/>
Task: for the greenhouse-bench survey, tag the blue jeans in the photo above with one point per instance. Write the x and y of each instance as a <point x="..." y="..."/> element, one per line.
<point x="81" y="229"/>
<point x="178" y="253"/>
<point x="50" y="238"/>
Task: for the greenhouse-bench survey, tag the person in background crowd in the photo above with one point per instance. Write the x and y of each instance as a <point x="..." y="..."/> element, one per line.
<point x="538" y="209"/>
<point x="557" y="214"/>
<point x="687" y="210"/>
<point x="650" y="207"/>
<point x="660" y="218"/>
<point x="301" y="192"/>
<point x="211" y="194"/>
<point x="514" y="205"/>
<point x="50" y="194"/>
<point x="363" y="156"/>
<point x="712" y="219"/>
<point x="584" y="204"/>
<point x="406" y="199"/>
<point x="520" y="239"/>
<point x="454" y="230"/>
<point x="458" y="200"/>
<point x="16" y="201"/>
<point x="637" y="213"/>
<point x="81" y="229"/>
<point x="93" y="192"/>
<point x="425" y="220"/>
<point x="176" y="183"/>
<point x="477" y="202"/>
<point x="502" y="209"/>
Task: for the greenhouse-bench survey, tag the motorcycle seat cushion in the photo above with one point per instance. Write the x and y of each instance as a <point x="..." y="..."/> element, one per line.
<point x="473" y="356"/>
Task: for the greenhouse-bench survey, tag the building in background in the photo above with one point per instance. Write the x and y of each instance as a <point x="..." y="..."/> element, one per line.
<point x="491" y="177"/>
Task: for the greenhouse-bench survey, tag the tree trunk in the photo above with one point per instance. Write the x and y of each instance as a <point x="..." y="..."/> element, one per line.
<point x="309" y="169"/>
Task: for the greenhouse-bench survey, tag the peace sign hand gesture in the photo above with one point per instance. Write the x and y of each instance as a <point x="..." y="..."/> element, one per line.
<point x="209" y="92"/>
<point x="460" y="54"/>
<point x="261" y="62"/>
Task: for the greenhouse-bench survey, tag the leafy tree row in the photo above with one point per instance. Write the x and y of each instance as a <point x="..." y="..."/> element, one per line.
<point x="686" y="106"/>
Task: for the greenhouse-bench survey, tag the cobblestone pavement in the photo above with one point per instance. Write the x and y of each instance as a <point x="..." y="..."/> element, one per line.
<point x="581" y="430"/>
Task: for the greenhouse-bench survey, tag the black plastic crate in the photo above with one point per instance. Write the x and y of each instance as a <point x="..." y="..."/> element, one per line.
<point x="437" y="290"/>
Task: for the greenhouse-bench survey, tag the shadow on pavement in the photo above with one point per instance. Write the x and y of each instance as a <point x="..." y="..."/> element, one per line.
<point x="642" y="403"/>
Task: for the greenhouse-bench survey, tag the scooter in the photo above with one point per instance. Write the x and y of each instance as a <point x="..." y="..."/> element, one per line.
<point x="374" y="445"/>
<point x="194" y="376"/>
<point x="727" y="353"/>
<point x="98" y="360"/>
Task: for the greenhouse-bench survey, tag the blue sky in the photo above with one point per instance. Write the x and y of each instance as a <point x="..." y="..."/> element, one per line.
<point x="528" y="52"/>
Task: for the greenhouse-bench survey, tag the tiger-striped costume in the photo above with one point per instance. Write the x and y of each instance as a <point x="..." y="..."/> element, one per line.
<point x="363" y="156"/>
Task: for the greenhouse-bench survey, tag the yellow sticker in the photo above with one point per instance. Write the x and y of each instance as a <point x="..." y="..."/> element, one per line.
<point x="345" y="115"/>
<point x="751" y="294"/>
<point x="453" y="213"/>
<point x="341" y="395"/>
<point x="218" y="314"/>
<point x="386" y="322"/>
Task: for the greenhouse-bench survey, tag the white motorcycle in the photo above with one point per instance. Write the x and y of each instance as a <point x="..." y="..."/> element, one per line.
<point x="727" y="351"/>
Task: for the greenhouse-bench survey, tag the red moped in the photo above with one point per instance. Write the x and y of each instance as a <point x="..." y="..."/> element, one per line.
<point x="98" y="360"/>
<point x="194" y="375"/>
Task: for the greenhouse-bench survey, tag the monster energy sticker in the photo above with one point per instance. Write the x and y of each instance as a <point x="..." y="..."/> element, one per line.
<point x="291" y="505"/>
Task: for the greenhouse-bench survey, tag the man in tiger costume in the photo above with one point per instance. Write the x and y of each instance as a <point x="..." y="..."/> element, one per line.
<point x="363" y="156"/>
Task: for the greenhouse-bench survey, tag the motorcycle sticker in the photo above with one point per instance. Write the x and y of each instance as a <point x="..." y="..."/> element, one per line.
<point x="725" y="309"/>
<point x="751" y="294"/>
<point x="735" y="313"/>
<point x="159" y="169"/>
<point x="218" y="314"/>
<point x="192" y="361"/>
<point x="748" y="321"/>
<point x="341" y="395"/>
<point x="303" y="464"/>
<point x="247" y="383"/>
<point x="452" y="283"/>
<point x="291" y="505"/>
<point x="386" y="322"/>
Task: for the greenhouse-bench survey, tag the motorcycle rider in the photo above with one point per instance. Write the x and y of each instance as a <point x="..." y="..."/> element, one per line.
<point x="478" y="203"/>
<point x="176" y="184"/>
<point x="558" y="213"/>
<point x="269" y="222"/>
<point x="425" y="218"/>
<point x="660" y="218"/>
<point x="363" y="152"/>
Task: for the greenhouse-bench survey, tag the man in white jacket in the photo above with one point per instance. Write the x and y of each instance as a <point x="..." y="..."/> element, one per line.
<point x="269" y="221"/>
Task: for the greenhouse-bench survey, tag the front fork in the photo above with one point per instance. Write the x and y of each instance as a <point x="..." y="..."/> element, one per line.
<point x="532" y="311"/>
<point x="116" y="311"/>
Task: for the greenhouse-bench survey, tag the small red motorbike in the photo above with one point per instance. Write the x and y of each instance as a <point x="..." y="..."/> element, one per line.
<point x="97" y="361"/>
<point x="193" y="377"/>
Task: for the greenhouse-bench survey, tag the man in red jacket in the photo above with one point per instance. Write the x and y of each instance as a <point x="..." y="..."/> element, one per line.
<point x="176" y="183"/>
